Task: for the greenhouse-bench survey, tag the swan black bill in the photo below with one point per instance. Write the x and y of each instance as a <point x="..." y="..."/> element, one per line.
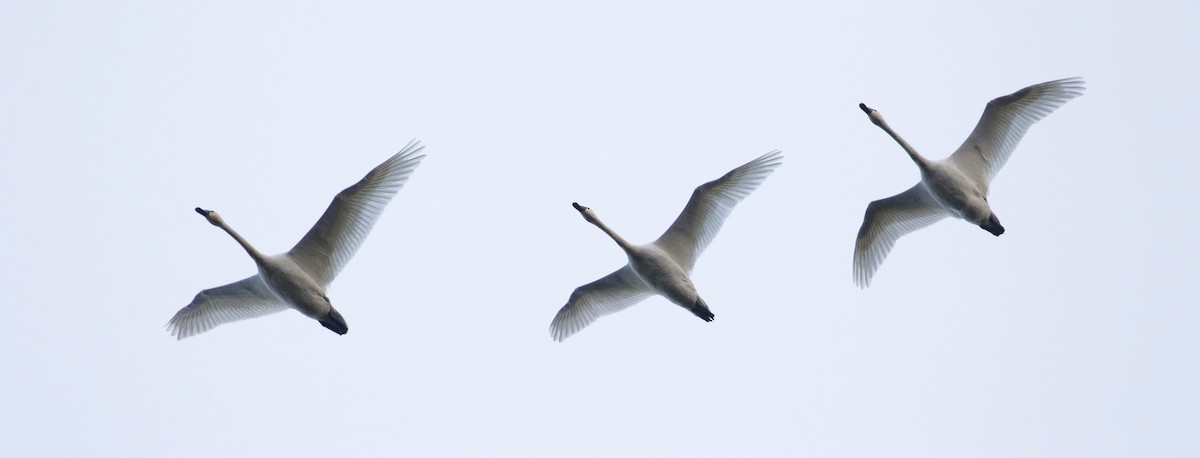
<point x="865" y="108"/>
<point x="578" y="207"/>
<point x="202" y="211"/>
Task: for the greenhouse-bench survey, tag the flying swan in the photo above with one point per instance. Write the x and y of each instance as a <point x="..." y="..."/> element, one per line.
<point x="958" y="185"/>
<point x="298" y="279"/>
<point x="662" y="267"/>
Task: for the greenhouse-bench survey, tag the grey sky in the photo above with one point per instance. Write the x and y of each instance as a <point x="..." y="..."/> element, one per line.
<point x="1073" y="334"/>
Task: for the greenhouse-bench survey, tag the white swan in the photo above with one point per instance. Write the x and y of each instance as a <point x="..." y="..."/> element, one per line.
<point x="958" y="185"/>
<point x="299" y="278"/>
<point x="662" y="267"/>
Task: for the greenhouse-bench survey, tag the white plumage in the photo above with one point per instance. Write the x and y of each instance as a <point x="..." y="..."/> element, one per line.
<point x="957" y="186"/>
<point x="298" y="278"/>
<point x="663" y="266"/>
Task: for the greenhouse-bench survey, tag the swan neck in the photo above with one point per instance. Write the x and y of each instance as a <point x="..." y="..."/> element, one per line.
<point x="625" y="245"/>
<point x="255" y="254"/>
<point x="912" y="152"/>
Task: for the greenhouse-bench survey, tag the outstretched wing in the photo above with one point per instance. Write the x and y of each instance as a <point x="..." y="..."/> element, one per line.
<point x="245" y="299"/>
<point x="610" y="294"/>
<point x="711" y="203"/>
<point x="1004" y="122"/>
<point x="330" y="244"/>
<point x="885" y="222"/>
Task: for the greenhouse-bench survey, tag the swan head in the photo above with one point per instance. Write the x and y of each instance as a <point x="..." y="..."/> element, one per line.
<point x="587" y="213"/>
<point x="876" y="118"/>
<point x="212" y="216"/>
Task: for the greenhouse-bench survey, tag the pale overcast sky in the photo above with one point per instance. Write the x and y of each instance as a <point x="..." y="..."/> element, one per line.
<point x="1073" y="334"/>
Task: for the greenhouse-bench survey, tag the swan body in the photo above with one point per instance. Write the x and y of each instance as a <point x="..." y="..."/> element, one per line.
<point x="663" y="274"/>
<point x="958" y="185"/>
<point x="663" y="267"/>
<point x="297" y="288"/>
<point x="299" y="278"/>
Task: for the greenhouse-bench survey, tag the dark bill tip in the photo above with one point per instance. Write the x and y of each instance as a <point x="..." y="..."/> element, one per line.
<point x="203" y="211"/>
<point x="865" y="108"/>
<point x="577" y="206"/>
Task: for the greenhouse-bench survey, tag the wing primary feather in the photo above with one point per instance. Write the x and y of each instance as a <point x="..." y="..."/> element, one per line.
<point x="610" y="294"/>
<point x="326" y="249"/>
<point x="710" y="204"/>
<point x="885" y="221"/>
<point x="240" y="300"/>
<point x="1004" y="122"/>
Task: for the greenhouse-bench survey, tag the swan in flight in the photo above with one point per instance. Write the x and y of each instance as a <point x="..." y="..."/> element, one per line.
<point x="662" y="267"/>
<point x="958" y="185"/>
<point x="298" y="279"/>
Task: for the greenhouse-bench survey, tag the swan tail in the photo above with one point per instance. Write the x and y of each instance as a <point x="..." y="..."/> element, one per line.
<point x="993" y="225"/>
<point x="700" y="309"/>
<point x="334" y="322"/>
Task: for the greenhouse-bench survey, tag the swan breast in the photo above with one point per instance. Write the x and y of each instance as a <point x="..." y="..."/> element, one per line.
<point x="294" y="285"/>
<point x="658" y="270"/>
<point x="955" y="191"/>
